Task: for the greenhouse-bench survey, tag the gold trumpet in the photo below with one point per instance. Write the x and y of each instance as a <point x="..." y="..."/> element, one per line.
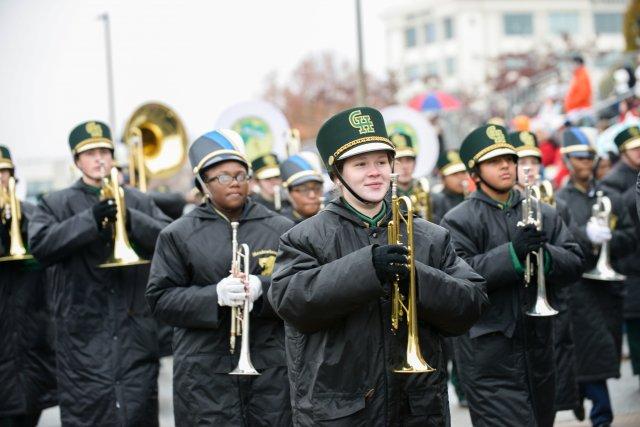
<point x="421" y="199"/>
<point x="11" y="212"/>
<point x="123" y="254"/>
<point x="601" y="212"/>
<point x="240" y="316"/>
<point x="413" y="361"/>
<point x="541" y="308"/>
<point x="545" y="192"/>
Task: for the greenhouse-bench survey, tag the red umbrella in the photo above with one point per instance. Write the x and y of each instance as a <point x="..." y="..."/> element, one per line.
<point x="435" y="101"/>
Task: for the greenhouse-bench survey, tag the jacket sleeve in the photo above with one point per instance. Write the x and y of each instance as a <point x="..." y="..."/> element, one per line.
<point x="145" y="227"/>
<point x="51" y="240"/>
<point x="452" y="296"/>
<point x="170" y="295"/>
<point x="313" y="296"/>
<point x="623" y="236"/>
<point x="566" y="256"/>
<point x="494" y="265"/>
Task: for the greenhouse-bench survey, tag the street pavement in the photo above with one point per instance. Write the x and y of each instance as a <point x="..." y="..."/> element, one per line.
<point x="625" y="396"/>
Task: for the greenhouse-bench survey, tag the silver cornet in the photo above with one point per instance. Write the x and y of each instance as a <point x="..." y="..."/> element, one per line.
<point x="240" y="316"/>
<point x="601" y="213"/>
<point x="529" y="205"/>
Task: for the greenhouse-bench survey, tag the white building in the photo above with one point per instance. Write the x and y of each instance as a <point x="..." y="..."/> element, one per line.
<point x="457" y="40"/>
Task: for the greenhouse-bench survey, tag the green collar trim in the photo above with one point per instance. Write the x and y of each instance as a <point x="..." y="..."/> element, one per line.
<point x="502" y="205"/>
<point x="368" y="221"/>
<point x="90" y="188"/>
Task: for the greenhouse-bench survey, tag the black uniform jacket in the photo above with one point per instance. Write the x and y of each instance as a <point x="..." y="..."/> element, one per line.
<point x="340" y="351"/>
<point x="622" y="181"/>
<point x="443" y="202"/>
<point x="106" y="339"/>
<point x="27" y="359"/>
<point x="596" y="306"/>
<point x="507" y="364"/>
<point x="192" y="256"/>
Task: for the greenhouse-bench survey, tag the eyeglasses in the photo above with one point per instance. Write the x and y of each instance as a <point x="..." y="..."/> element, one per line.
<point x="226" y="179"/>
<point x="308" y="190"/>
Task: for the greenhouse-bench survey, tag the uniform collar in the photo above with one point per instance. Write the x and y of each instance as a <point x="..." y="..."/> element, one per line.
<point x="83" y="186"/>
<point x="250" y="211"/>
<point x="340" y="207"/>
<point x="514" y="199"/>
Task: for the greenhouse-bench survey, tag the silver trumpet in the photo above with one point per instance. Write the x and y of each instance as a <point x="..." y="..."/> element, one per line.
<point x="240" y="316"/>
<point x="601" y="212"/>
<point x="529" y="205"/>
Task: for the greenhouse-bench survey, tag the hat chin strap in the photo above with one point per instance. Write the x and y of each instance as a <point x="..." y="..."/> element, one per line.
<point x="489" y="185"/>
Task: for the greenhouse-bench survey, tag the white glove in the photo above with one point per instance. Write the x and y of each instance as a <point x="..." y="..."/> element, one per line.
<point x="598" y="234"/>
<point x="231" y="292"/>
<point x="255" y="288"/>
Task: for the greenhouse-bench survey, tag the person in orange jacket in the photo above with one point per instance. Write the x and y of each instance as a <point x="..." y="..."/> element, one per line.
<point x="579" y="94"/>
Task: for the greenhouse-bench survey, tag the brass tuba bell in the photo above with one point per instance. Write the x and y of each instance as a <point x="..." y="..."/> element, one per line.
<point x="400" y="304"/>
<point x="11" y="211"/>
<point x="123" y="254"/>
<point x="157" y="143"/>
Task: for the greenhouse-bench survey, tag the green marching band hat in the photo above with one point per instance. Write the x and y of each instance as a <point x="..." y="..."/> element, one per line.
<point x="351" y="132"/>
<point x="90" y="135"/>
<point x="449" y="162"/>
<point x="301" y="168"/>
<point x="5" y="158"/>
<point x="525" y="143"/>
<point x="627" y="139"/>
<point x="215" y="147"/>
<point x="265" y="167"/>
<point x="484" y="143"/>
<point x="576" y="143"/>
<point x="403" y="143"/>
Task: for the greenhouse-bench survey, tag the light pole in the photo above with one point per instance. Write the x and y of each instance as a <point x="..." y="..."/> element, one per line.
<point x="362" y="87"/>
<point x="109" y="63"/>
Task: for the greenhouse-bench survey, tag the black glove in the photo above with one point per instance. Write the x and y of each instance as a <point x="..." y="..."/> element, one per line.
<point x="527" y="239"/>
<point x="389" y="261"/>
<point x="104" y="211"/>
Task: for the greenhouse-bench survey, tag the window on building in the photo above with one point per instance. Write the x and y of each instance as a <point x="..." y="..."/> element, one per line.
<point x="564" y="22"/>
<point x="518" y="24"/>
<point x="608" y="23"/>
<point x="410" y="37"/>
<point x="432" y="68"/>
<point x="448" y="28"/>
<point x="412" y="72"/>
<point x="450" y="65"/>
<point x="430" y="33"/>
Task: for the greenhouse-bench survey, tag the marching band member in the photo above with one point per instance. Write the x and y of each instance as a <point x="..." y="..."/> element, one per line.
<point x="454" y="176"/>
<point x="622" y="180"/>
<point x="27" y="359"/>
<point x="302" y="178"/>
<point x="190" y="288"/>
<point x="106" y="339"/>
<point x="567" y="395"/>
<point x="266" y="174"/>
<point x="506" y="360"/>
<point x="404" y="162"/>
<point x="331" y="285"/>
<point x="595" y="306"/>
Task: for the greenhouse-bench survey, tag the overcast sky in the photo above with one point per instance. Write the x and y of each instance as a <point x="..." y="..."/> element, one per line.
<point x="198" y="56"/>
